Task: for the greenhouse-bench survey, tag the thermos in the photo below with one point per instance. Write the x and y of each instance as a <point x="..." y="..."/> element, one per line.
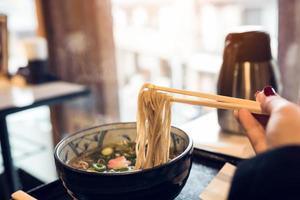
<point x="247" y="67"/>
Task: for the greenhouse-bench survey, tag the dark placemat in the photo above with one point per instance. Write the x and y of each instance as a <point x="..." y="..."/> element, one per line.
<point x="204" y="169"/>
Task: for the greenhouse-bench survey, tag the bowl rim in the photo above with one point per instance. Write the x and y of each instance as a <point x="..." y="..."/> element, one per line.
<point x="186" y="150"/>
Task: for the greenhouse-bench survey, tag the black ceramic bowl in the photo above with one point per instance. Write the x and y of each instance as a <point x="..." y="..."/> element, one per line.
<point x="161" y="182"/>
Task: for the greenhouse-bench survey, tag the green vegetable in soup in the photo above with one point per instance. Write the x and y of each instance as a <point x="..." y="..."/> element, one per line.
<point x="99" y="167"/>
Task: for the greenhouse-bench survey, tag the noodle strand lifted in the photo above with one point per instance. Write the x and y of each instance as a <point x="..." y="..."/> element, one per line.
<point x="153" y="128"/>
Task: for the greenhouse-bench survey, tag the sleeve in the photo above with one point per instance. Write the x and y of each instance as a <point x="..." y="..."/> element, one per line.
<point x="274" y="174"/>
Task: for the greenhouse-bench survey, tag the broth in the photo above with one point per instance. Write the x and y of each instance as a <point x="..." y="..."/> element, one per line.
<point x="111" y="158"/>
<point x="119" y="157"/>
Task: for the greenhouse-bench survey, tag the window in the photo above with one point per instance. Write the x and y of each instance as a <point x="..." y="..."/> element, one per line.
<point x="179" y="44"/>
<point x="22" y="23"/>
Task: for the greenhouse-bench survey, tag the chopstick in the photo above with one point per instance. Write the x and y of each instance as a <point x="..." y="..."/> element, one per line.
<point x="221" y="105"/>
<point x="219" y="98"/>
<point x="20" y="195"/>
<point x="210" y="100"/>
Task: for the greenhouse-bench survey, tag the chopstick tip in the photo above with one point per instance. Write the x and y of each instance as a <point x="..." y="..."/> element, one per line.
<point x="148" y="85"/>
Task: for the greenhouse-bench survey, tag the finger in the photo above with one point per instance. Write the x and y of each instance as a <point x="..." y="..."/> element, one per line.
<point x="272" y="103"/>
<point x="269" y="103"/>
<point x="260" y="97"/>
<point x="266" y="92"/>
<point x="254" y="130"/>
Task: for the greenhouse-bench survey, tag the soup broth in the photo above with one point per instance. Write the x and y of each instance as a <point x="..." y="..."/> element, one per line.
<point x="119" y="157"/>
<point x="111" y="158"/>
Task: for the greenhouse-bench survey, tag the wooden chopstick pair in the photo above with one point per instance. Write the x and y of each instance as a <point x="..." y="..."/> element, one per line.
<point x="211" y="100"/>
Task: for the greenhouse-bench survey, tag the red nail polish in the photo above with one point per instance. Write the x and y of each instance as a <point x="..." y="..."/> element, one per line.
<point x="269" y="91"/>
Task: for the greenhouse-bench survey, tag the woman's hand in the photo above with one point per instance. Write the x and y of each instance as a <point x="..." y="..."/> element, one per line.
<point x="283" y="127"/>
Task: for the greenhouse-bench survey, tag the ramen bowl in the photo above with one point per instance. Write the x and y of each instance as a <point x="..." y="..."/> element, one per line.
<point x="160" y="182"/>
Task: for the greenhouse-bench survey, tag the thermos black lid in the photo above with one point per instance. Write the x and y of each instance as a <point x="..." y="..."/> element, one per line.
<point x="252" y="46"/>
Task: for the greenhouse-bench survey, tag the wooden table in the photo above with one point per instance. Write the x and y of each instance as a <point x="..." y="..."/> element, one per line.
<point x="15" y="99"/>
<point x="207" y="135"/>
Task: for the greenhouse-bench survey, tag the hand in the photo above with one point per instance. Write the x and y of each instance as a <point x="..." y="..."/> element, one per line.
<point x="283" y="127"/>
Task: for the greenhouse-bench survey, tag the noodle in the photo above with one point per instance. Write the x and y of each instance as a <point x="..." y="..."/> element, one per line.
<point x="153" y="128"/>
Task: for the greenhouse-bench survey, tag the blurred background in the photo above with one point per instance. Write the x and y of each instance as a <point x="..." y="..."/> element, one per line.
<point x="114" y="46"/>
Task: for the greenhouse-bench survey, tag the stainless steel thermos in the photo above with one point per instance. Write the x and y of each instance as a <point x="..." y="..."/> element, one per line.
<point x="247" y="67"/>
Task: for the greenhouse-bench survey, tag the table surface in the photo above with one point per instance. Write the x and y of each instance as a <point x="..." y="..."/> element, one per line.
<point x="202" y="172"/>
<point x="15" y="99"/>
<point x="207" y="135"/>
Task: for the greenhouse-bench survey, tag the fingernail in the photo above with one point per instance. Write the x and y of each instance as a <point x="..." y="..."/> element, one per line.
<point x="269" y="91"/>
